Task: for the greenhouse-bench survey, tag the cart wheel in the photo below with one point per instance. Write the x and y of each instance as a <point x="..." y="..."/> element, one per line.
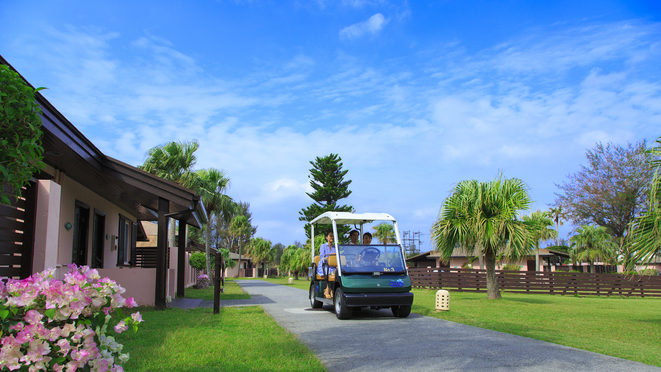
<point x="341" y="309"/>
<point x="313" y="302"/>
<point x="401" y="311"/>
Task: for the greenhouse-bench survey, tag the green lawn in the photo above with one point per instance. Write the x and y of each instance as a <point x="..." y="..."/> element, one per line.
<point x="628" y="328"/>
<point x="237" y="339"/>
<point x="232" y="292"/>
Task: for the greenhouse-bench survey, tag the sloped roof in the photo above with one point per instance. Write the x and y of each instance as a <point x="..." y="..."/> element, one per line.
<point x="132" y="189"/>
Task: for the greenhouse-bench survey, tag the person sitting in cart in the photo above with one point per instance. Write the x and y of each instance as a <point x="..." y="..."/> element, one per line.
<point x="367" y="238"/>
<point x="326" y="250"/>
<point x="354" y="235"/>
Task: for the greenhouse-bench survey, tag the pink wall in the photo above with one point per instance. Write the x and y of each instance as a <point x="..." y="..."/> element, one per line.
<point x="139" y="283"/>
<point x="72" y="191"/>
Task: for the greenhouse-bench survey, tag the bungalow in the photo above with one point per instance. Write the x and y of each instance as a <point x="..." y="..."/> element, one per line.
<point x="549" y="259"/>
<point x="147" y="249"/>
<point x="86" y="207"/>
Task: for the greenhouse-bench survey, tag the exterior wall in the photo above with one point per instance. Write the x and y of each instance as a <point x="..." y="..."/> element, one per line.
<point x="47" y="223"/>
<point x="53" y="243"/>
<point x="139" y="283"/>
<point x="231" y="273"/>
<point x="72" y="192"/>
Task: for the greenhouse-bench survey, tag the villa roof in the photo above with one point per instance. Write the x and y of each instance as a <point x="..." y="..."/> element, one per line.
<point x="67" y="150"/>
<point x="458" y="253"/>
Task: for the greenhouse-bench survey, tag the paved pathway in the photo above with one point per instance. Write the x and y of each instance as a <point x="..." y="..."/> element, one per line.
<point x="376" y="341"/>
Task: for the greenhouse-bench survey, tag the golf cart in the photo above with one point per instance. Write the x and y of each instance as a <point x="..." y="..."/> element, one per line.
<point x="366" y="275"/>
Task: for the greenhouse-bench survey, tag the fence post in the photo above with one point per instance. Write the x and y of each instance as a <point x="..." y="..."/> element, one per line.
<point x="217" y="282"/>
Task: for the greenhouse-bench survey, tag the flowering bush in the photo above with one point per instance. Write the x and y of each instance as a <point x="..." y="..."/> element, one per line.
<point x="203" y="281"/>
<point x="60" y="325"/>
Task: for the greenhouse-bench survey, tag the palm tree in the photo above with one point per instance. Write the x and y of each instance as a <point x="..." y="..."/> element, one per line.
<point x="647" y="228"/>
<point x="384" y="232"/>
<point x="240" y="227"/>
<point x="260" y="251"/>
<point x="557" y="214"/>
<point x="592" y="243"/>
<point x="539" y="230"/>
<point x="484" y="215"/>
<point x="173" y="161"/>
<point x="211" y="185"/>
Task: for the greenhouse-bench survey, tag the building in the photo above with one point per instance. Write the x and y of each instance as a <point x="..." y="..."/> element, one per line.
<point x="549" y="260"/>
<point x="86" y="208"/>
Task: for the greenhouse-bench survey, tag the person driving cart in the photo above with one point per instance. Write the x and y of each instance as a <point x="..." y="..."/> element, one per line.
<point x="368" y="257"/>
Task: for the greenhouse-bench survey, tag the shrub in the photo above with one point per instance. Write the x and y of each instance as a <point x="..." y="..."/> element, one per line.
<point x="203" y="281"/>
<point x="21" y="152"/>
<point x="198" y="260"/>
<point x="650" y="272"/>
<point x="56" y="325"/>
<point x="511" y="267"/>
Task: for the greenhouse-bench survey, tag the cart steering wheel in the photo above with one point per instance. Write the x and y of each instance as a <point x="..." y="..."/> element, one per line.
<point x="370" y="254"/>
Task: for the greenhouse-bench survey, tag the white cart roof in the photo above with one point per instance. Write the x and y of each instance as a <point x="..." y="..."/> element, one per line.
<point x="351" y="218"/>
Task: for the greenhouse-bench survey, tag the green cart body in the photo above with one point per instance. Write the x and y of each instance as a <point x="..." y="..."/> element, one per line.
<point x="366" y="276"/>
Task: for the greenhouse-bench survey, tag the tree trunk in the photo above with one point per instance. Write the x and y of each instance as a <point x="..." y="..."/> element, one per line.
<point x="238" y="272"/>
<point x="480" y="256"/>
<point x="207" y="241"/>
<point x="492" y="283"/>
<point x="172" y="242"/>
<point x="537" y="257"/>
<point x="296" y="275"/>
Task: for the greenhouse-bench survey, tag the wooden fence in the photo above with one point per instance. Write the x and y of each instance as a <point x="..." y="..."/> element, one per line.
<point x="543" y="282"/>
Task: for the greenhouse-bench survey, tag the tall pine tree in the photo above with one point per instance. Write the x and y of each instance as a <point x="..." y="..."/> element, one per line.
<point x="327" y="180"/>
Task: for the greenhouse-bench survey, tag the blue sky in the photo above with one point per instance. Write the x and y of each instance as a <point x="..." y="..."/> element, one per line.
<point x="414" y="96"/>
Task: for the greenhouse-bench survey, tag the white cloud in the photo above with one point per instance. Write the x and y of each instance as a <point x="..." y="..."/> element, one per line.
<point x="406" y="132"/>
<point x="371" y="26"/>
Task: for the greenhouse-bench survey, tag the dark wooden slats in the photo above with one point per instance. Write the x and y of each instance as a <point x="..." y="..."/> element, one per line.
<point x="10" y="248"/>
<point x="16" y="234"/>
<point x="145" y="257"/>
<point x="11" y="211"/>
<point x="10" y="272"/>
<point x="539" y="282"/>
<point x="10" y="224"/>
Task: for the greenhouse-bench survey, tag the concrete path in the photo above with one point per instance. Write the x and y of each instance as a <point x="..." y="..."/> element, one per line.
<point x="376" y="341"/>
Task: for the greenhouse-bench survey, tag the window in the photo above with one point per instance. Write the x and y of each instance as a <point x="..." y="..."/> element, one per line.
<point x="98" y="239"/>
<point x="80" y="234"/>
<point x="126" y="241"/>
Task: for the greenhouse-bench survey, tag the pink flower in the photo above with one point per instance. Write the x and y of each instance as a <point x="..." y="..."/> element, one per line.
<point x="82" y="294"/>
<point x="121" y="327"/>
<point x="33" y="317"/>
<point x="64" y="346"/>
<point x="130" y="302"/>
<point x="137" y="317"/>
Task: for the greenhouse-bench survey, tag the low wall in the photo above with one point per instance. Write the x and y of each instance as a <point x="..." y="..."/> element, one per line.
<point x="139" y="283"/>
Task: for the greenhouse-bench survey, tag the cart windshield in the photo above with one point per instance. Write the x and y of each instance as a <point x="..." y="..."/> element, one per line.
<point x="371" y="258"/>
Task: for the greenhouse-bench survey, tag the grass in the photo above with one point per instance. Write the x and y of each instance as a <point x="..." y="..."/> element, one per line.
<point x="628" y="328"/>
<point x="232" y="292"/>
<point x="237" y="339"/>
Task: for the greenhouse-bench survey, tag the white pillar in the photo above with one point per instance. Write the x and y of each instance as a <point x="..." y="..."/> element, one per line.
<point x="46" y="225"/>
